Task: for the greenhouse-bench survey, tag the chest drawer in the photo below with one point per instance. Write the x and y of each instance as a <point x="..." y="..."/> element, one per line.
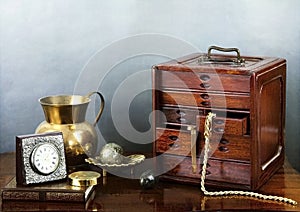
<point x="173" y="141"/>
<point x="233" y="148"/>
<point x="180" y="115"/>
<point x="233" y="124"/>
<point x="221" y="171"/>
<point x="208" y="100"/>
<point x="177" y="142"/>
<point x="204" y="81"/>
<point x="230" y="125"/>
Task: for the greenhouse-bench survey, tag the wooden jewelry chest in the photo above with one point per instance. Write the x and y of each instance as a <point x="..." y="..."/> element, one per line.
<point x="248" y="96"/>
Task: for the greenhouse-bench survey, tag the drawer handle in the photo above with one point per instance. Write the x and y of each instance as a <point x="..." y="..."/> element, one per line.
<point x="174" y="145"/>
<point x="207" y="165"/>
<point x="219" y="130"/>
<point x="224" y="141"/>
<point x="219" y="121"/>
<point x="205" y="103"/>
<point x="204" y="77"/>
<point x="205" y="85"/>
<point x="206" y="173"/>
<point x="173" y="137"/>
<point x="180" y="112"/>
<point x="182" y="120"/>
<point x="204" y="96"/>
<point x="223" y="149"/>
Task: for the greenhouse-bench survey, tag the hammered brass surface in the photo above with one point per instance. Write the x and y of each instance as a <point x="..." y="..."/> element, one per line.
<point x="66" y="114"/>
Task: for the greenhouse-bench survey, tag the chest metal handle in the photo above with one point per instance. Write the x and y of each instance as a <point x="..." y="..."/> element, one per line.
<point x="238" y="59"/>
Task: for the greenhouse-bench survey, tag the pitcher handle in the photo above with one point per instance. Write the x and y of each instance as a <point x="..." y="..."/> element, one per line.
<point x="101" y="106"/>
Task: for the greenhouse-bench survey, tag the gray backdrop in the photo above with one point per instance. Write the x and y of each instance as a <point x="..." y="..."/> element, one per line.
<point x="44" y="46"/>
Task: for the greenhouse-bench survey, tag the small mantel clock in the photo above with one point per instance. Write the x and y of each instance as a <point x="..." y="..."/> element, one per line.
<point x="40" y="158"/>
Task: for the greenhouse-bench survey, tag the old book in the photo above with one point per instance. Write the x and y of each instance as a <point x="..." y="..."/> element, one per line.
<point x="19" y="205"/>
<point x="55" y="191"/>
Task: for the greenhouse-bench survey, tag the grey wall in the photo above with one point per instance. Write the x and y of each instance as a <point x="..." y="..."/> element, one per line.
<point x="44" y="45"/>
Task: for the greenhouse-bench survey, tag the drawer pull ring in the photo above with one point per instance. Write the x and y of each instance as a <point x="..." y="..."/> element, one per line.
<point x="207" y="172"/>
<point x="219" y="130"/>
<point x="180" y="112"/>
<point x="205" y="103"/>
<point x="223" y="149"/>
<point x="207" y="165"/>
<point x="182" y="120"/>
<point x="205" y="85"/>
<point x="173" y="137"/>
<point x="207" y="136"/>
<point x="204" y="96"/>
<point x="224" y="141"/>
<point x="204" y="77"/>
<point x="174" y="145"/>
<point x="219" y="121"/>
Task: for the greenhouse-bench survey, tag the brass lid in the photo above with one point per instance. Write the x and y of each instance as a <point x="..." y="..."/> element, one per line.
<point x="84" y="178"/>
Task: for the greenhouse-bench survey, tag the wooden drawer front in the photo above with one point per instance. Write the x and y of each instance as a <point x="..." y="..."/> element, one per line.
<point x="236" y="148"/>
<point x="206" y="100"/>
<point x="204" y="81"/>
<point x="179" y="143"/>
<point x="221" y="171"/>
<point x="229" y="125"/>
<point x="180" y="115"/>
<point x="173" y="142"/>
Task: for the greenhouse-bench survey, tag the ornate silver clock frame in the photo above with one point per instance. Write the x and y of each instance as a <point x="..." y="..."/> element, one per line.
<point x="40" y="158"/>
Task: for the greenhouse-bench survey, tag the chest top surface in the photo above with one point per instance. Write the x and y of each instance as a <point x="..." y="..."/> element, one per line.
<point x="220" y="64"/>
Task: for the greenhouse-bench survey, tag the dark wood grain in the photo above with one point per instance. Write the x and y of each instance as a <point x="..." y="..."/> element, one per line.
<point x="195" y="99"/>
<point x="120" y="194"/>
<point x="203" y="81"/>
<point x="173" y="141"/>
<point x="226" y="125"/>
<point x="249" y="100"/>
<point x="176" y="142"/>
<point x="217" y="171"/>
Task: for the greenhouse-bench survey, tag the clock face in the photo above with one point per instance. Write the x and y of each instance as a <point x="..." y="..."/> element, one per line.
<point x="45" y="158"/>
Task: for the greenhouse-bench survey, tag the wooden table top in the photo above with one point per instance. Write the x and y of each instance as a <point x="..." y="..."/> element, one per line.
<point x="119" y="194"/>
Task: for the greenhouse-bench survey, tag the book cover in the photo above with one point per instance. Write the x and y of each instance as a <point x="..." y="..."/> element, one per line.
<point x="54" y="191"/>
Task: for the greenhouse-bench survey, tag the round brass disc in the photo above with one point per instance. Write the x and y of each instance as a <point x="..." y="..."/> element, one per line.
<point x="84" y="178"/>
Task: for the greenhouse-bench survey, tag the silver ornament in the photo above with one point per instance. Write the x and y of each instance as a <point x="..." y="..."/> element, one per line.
<point x="111" y="153"/>
<point x="147" y="179"/>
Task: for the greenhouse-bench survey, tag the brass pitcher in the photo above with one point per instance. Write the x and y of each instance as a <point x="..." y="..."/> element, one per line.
<point x="66" y="114"/>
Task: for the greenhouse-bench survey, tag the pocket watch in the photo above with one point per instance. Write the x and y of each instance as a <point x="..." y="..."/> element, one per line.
<point x="40" y="158"/>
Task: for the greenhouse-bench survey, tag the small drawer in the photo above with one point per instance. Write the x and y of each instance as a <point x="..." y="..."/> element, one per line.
<point x="204" y="81"/>
<point x="235" y="125"/>
<point x="171" y="141"/>
<point x="180" y="115"/>
<point x="217" y="170"/>
<point x="205" y="100"/>
<point x="234" y="148"/>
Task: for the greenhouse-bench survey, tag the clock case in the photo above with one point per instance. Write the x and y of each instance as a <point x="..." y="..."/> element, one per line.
<point x="25" y="145"/>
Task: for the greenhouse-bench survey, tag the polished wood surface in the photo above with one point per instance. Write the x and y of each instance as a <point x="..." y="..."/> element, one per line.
<point x="120" y="194"/>
<point x="249" y="103"/>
